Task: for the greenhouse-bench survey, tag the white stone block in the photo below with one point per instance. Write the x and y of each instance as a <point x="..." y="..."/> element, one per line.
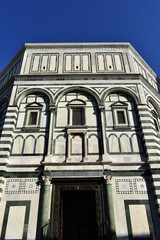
<point x="15" y="223"/>
<point x="139" y="222"/>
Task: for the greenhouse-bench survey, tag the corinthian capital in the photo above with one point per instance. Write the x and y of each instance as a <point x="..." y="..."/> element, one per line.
<point x="47" y="180"/>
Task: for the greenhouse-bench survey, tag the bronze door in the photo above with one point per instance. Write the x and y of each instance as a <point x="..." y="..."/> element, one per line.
<point x="77" y="212"/>
<point x="78" y="215"/>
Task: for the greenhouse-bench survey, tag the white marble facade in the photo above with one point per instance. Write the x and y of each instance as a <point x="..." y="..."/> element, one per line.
<point x="79" y="117"/>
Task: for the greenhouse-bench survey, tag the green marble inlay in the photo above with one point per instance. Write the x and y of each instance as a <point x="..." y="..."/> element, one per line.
<point x="26" y="220"/>
<point x="149" y="217"/>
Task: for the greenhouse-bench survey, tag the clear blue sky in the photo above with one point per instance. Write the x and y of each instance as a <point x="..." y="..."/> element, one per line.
<point x="134" y="21"/>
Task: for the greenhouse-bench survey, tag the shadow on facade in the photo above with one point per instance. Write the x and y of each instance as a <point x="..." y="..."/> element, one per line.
<point x="158" y="83"/>
<point x="152" y="202"/>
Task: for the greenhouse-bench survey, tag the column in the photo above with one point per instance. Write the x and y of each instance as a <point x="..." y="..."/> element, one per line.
<point x="105" y="156"/>
<point x="51" y="129"/>
<point x="85" y="146"/>
<point x="46" y="202"/>
<point x="110" y="208"/>
<point x="68" y="146"/>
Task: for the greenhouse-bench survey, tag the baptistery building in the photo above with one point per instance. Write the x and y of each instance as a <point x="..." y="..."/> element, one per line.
<point x="79" y="144"/>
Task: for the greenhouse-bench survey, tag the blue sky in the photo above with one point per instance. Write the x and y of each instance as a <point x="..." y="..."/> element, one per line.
<point x="134" y="21"/>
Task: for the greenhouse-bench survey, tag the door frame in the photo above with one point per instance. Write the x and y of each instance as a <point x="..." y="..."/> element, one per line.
<point x="76" y="185"/>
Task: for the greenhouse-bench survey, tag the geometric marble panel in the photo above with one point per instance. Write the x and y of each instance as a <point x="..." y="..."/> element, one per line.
<point x="21" y="186"/>
<point x="139" y="186"/>
<point x="124" y="186"/>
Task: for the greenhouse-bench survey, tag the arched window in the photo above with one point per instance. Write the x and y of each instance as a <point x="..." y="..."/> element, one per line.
<point x="155" y="120"/>
<point x="76" y="111"/>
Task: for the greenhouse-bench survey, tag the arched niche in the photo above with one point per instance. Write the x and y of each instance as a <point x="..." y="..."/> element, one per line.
<point x="17" y="147"/>
<point x="113" y="143"/>
<point x="40" y="145"/>
<point x="60" y="145"/>
<point x="125" y="143"/>
<point x="29" y="145"/>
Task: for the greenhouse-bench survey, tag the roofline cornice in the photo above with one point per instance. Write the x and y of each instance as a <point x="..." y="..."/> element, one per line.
<point x="77" y="44"/>
<point x="113" y="45"/>
<point x="126" y="45"/>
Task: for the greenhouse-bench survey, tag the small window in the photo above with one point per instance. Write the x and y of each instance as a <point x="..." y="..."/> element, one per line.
<point x="33" y="117"/>
<point x="76" y="113"/>
<point x="121" y="117"/>
<point x="77" y="116"/>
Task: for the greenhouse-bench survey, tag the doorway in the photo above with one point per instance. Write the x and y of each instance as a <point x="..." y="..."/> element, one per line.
<point x="78" y="215"/>
<point x="77" y="211"/>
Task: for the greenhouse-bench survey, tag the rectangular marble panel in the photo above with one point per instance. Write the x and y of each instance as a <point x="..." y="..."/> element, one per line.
<point x="20" y="121"/>
<point x="100" y="59"/>
<point x="136" y="67"/>
<point x="109" y="119"/>
<point x="77" y="63"/>
<point x="91" y="119"/>
<point x="53" y="63"/>
<point x="60" y="145"/>
<point x="93" y="144"/>
<point x="118" y="62"/>
<point x="139" y="222"/>
<point x="143" y="73"/>
<point x="44" y="63"/>
<point x="109" y="62"/>
<point x="35" y="64"/>
<point x="68" y="63"/>
<point x="27" y="64"/>
<point x="85" y="63"/>
<point x="76" y="144"/>
<point x="62" y="114"/>
<point x="15" y="223"/>
<point x="140" y="69"/>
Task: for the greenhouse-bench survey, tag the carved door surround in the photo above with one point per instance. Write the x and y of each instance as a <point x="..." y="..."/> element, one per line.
<point x="55" y="231"/>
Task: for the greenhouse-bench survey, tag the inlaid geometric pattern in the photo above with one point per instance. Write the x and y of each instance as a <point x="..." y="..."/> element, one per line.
<point x="130" y="186"/>
<point x="21" y="186"/>
<point x="139" y="186"/>
<point x="124" y="186"/>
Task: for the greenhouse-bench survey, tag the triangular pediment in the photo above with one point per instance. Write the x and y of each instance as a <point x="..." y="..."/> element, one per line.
<point x="34" y="105"/>
<point x="119" y="104"/>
